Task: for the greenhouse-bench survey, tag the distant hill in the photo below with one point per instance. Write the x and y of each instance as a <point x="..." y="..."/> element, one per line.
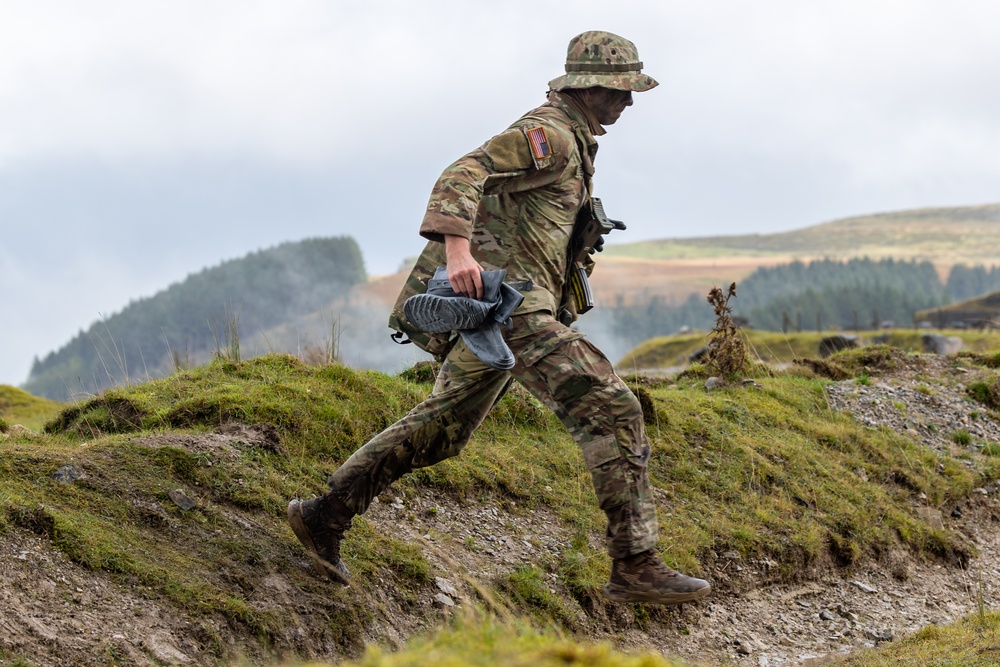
<point x="980" y="312"/>
<point x="186" y="323"/>
<point x="675" y="268"/>
<point x="20" y="407"/>
<point x="957" y="235"/>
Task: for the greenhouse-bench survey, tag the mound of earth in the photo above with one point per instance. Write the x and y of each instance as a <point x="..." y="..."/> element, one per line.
<point x="54" y="611"/>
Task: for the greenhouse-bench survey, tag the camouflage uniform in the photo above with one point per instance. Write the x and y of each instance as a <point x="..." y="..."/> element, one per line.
<point x="517" y="198"/>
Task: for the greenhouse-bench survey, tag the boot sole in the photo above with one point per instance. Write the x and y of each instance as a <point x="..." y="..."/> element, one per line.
<point x="624" y="595"/>
<point x="338" y="572"/>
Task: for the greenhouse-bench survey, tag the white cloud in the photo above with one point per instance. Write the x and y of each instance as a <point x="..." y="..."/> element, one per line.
<point x="223" y="124"/>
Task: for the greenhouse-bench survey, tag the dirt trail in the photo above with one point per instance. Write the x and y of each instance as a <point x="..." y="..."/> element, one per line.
<point x="55" y="612"/>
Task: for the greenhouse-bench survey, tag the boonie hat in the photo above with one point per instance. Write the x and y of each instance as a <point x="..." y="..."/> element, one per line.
<point x="597" y="58"/>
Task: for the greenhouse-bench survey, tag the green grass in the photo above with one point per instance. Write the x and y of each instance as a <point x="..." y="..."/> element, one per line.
<point x="473" y="642"/>
<point x="767" y="471"/>
<point x="972" y="642"/>
<point x="20" y="407"/>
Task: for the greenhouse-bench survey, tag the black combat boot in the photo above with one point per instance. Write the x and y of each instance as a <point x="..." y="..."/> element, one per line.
<point x="643" y="577"/>
<point x="320" y="524"/>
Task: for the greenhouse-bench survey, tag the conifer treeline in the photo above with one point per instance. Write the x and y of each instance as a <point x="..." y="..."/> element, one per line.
<point x="261" y="290"/>
<point x="828" y="294"/>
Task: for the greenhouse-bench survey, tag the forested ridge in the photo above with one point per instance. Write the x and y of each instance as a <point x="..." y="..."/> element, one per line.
<point x="822" y="294"/>
<point x="189" y="320"/>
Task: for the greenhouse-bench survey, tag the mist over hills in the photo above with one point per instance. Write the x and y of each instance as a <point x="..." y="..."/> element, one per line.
<point x="314" y="295"/>
<point x="187" y="322"/>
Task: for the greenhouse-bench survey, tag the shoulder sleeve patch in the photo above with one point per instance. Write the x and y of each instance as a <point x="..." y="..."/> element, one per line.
<point x="539" y="142"/>
<point x="510" y="151"/>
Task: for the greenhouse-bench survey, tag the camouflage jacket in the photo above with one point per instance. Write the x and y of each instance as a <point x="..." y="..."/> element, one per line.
<point x="516" y="198"/>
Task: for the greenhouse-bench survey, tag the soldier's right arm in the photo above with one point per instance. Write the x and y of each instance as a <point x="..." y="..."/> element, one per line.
<point x="509" y="155"/>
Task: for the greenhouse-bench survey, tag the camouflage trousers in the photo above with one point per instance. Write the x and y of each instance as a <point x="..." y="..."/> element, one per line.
<point x="565" y="372"/>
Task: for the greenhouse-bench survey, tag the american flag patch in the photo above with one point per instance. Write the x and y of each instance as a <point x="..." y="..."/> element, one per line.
<point x="539" y="142"/>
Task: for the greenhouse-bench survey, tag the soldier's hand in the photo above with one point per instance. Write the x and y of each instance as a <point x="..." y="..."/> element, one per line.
<point x="464" y="271"/>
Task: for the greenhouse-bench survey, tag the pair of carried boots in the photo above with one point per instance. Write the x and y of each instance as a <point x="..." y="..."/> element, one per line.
<point x="320" y="525"/>
<point x="441" y="309"/>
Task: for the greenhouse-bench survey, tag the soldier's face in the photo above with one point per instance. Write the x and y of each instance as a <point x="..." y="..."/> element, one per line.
<point x="609" y="104"/>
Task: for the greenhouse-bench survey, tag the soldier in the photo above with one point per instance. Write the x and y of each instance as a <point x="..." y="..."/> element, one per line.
<point x="512" y="204"/>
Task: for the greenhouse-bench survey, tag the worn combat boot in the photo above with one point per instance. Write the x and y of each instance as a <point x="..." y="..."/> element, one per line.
<point x="320" y="524"/>
<point x="643" y="577"/>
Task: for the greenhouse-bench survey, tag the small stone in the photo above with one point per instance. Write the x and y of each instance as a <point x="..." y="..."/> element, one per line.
<point x="445" y="586"/>
<point x="956" y="513"/>
<point x="803" y="603"/>
<point x="443" y="600"/>
<point x="164" y="650"/>
<point x="864" y="587"/>
<point x="66" y="475"/>
<point x="731" y="555"/>
<point x="826" y="615"/>
<point x="181" y="499"/>
<point x="713" y="383"/>
<point x="884" y="636"/>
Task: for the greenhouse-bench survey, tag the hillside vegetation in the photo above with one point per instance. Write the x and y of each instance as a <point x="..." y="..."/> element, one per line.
<point x="774" y="347"/>
<point x="766" y="472"/>
<point x="189" y="321"/>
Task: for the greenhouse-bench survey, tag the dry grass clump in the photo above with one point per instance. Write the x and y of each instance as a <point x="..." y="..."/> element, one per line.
<point x="727" y="353"/>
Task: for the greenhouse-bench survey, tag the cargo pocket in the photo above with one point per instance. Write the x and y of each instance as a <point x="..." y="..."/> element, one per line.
<point x="608" y="469"/>
<point x="545" y="342"/>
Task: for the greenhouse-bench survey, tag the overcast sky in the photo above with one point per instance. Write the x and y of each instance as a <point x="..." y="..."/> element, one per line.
<point x="141" y="140"/>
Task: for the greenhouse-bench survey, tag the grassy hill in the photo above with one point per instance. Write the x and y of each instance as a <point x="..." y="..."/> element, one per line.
<point x="767" y="474"/>
<point x="188" y="322"/>
<point x="20" y="407"/>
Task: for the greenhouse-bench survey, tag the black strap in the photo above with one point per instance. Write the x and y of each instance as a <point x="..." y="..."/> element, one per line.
<point x="396" y="338"/>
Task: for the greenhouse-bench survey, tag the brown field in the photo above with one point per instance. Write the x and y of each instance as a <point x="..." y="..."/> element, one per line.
<point x="621" y="279"/>
<point x="630" y="280"/>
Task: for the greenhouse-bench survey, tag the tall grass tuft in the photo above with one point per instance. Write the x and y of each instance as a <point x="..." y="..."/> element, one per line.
<point x="227" y="341"/>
